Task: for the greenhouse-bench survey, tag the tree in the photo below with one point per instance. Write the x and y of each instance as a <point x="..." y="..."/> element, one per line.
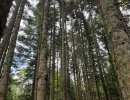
<point x="42" y="69"/>
<point x="9" y="29"/>
<point x="10" y="53"/>
<point x="63" y="69"/>
<point x="119" y="38"/>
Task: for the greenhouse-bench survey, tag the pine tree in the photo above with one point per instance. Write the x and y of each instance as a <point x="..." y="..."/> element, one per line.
<point x="9" y="29"/>
<point x="9" y="57"/>
<point x="119" y="38"/>
<point x="42" y="71"/>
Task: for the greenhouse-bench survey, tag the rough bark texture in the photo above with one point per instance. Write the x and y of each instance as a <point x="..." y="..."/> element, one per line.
<point x="42" y="72"/>
<point x="9" y="57"/>
<point x="121" y="44"/>
<point x="4" y="11"/>
<point x="10" y="27"/>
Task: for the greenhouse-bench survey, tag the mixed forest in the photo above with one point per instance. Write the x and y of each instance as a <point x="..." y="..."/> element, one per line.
<point x="64" y="49"/>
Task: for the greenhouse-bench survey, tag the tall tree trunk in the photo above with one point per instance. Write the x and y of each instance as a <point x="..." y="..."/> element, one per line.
<point x="53" y="59"/>
<point x="42" y="71"/>
<point x="67" y="65"/>
<point x="4" y="11"/>
<point x="38" y="59"/>
<point x="120" y="41"/>
<point x="53" y="69"/>
<point x="9" y="57"/>
<point x="63" y="69"/>
<point x="9" y="29"/>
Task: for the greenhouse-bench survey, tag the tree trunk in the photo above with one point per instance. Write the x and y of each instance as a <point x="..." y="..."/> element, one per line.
<point x="63" y="69"/>
<point x="9" y="29"/>
<point x="9" y="57"/>
<point x="4" y="11"/>
<point x="120" y="41"/>
<point x="53" y="59"/>
<point x="3" y="57"/>
<point x="42" y="71"/>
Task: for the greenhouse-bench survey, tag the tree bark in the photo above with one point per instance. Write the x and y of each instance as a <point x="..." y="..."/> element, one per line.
<point x="9" y="29"/>
<point x="120" y="41"/>
<point x="3" y="57"/>
<point x="42" y="71"/>
<point x="10" y="53"/>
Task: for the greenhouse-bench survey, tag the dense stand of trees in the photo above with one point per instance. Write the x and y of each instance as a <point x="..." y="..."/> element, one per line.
<point x="65" y="50"/>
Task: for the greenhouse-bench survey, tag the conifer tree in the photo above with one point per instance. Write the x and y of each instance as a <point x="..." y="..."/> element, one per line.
<point x="42" y="69"/>
<point x="10" y="53"/>
<point x="9" y="29"/>
<point x="120" y="40"/>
